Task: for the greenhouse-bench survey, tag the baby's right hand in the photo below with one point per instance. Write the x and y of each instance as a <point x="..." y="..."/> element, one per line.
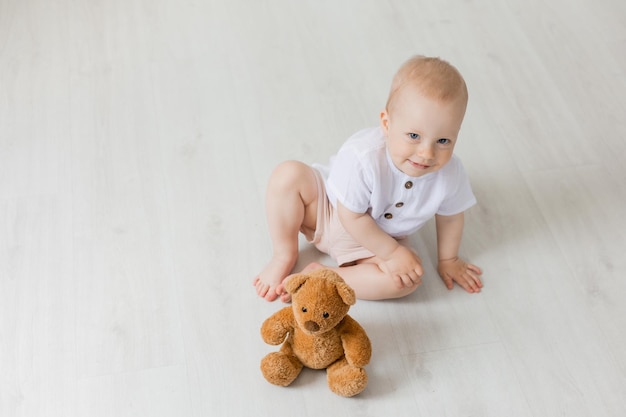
<point x="404" y="267"/>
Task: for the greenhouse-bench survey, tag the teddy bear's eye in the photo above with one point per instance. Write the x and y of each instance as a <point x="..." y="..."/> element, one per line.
<point x="326" y="315"/>
<point x="304" y="310"/>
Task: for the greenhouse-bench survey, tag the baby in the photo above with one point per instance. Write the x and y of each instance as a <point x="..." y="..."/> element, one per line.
<point x="382" y="186"/>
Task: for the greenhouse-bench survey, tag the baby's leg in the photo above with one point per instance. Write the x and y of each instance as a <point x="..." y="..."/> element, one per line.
<point x="370" y="282"/>
<point x="291" y="203"/>
<point x="366" y="279"/>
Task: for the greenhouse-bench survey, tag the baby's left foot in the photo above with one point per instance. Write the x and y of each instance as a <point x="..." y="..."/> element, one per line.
<point x="271" y="277"/>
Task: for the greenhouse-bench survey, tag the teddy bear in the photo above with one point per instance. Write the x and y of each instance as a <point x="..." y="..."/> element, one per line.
<point x="317" y="332"/>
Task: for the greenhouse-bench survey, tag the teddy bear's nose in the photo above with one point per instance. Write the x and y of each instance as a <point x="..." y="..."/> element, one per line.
<point x="311" y="326"/>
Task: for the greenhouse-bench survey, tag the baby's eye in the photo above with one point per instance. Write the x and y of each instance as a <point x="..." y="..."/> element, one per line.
<point x="444" y="141"/>
<point x="414" y="136"/>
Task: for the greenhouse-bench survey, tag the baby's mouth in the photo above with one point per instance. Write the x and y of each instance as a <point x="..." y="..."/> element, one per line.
<point x="418" y="165"/>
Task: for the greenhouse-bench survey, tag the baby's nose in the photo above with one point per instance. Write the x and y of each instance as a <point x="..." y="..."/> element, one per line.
<point x="426" y="152"/>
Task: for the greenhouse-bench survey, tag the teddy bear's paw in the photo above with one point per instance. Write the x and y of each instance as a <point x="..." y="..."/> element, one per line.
<point x="280" y="369"/>
<point x="346" y="380"/>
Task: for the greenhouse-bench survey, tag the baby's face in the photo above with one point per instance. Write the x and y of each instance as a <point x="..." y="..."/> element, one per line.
<point x="421" y="132"/>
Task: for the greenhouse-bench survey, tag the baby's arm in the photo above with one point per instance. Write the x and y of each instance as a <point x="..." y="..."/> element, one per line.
<point x="398" y="261"/>
<point x="451" y="267"/>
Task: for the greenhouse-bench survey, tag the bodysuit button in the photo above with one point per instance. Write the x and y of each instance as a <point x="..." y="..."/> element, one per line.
<point x="388" y="216"/>
<point x="400" y="204"/>
<point x="408" y="185"/>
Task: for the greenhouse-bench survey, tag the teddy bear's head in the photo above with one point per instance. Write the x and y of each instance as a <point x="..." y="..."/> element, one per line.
<point x="320" y="300"/>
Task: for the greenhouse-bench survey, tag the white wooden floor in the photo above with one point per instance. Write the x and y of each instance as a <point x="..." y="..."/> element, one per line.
<point x="136" y="139"/>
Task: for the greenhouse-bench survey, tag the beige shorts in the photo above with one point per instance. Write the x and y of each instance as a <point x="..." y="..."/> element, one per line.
<point x="330" y="237"/>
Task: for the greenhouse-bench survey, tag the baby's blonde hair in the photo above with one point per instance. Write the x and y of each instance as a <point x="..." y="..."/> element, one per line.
<point x="432" y="77"/>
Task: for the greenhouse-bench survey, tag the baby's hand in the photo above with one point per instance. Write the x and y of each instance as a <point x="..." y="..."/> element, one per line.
<point x="459" y="271"/>
<point x="404" y="267"/>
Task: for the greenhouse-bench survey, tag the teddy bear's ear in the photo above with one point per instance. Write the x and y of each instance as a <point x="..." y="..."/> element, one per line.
<point x="294" y="283"/>
<point x="346" y="293"/>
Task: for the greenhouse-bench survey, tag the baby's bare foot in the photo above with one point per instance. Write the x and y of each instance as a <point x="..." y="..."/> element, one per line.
<point x="269" y="280"/>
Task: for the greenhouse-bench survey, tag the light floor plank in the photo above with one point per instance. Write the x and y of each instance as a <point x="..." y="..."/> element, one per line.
<point x="136" y="139"/>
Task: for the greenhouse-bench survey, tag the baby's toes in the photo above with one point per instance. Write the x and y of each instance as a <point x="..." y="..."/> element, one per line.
<point x="261" y="288"/>
<point x="270" y="294"/>
<point x="285" y="297"/>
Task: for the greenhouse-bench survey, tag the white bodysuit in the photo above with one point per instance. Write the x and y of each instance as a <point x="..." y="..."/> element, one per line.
<point x="364" y="179"/>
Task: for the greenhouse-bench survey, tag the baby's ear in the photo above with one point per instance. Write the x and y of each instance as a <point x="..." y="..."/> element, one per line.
<point x="293" y="284"/>
<point x="384" y="121"/>
<point x="346" y="293"/>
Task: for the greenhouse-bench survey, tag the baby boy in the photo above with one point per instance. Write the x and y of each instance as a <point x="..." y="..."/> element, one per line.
<point x="382" y="186"/>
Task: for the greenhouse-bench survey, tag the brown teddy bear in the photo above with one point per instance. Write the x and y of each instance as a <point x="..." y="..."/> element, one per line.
<point x="317" y="333"/>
